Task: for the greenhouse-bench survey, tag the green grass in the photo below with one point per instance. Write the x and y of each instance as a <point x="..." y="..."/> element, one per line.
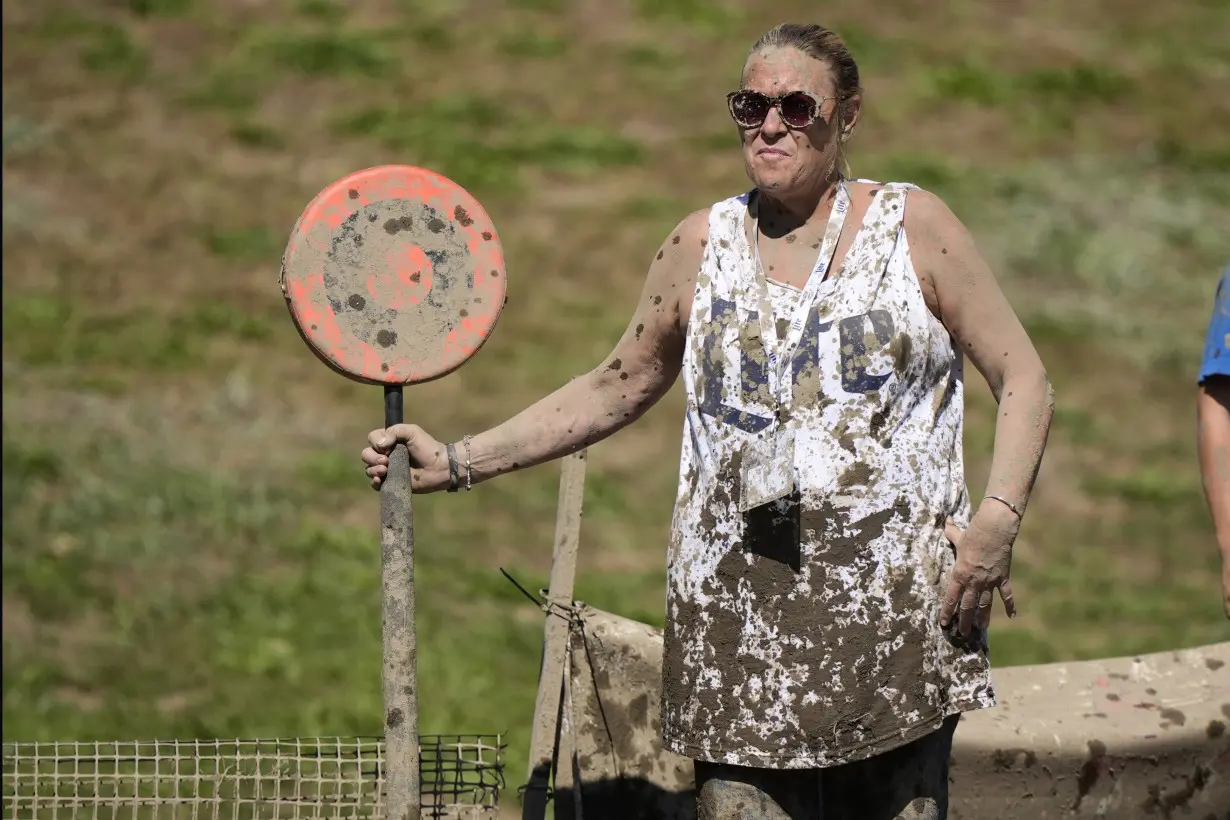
<point x="249" y="243"/>
<point x="326" y="11"/>
<point x="45" y="331"/>
<point x="111" y="50"/>
<point x="1068" y="87"/>
<point x="160" y="8"/>
<point x="243" y="613"/>
<point x="189" y="546"/>
<point x="327" y="53"/>
<point x="256" y="135"/>
<point x="533" y="44"/>
<point x="235" y="578"/>
<point x="494" y="145"/>
<point x="706" y="16"/>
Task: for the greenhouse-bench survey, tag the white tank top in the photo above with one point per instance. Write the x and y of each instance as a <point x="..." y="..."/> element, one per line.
<point x="805" y="633"/>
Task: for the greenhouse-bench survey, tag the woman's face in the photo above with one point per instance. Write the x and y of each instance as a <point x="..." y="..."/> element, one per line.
<point x="781" y="160"/>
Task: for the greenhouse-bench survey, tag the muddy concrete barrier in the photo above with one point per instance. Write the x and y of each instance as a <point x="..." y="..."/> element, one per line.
<point x="1139" y="737"/>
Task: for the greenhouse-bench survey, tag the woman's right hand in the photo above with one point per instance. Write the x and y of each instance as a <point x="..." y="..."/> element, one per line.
<point x="428" y="457"/>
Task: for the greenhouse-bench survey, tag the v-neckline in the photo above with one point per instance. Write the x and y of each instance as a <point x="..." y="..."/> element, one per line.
<point x="834" y="271"/>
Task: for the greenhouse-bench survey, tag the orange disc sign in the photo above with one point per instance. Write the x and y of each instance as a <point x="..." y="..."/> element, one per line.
<point x="394" y="275"/>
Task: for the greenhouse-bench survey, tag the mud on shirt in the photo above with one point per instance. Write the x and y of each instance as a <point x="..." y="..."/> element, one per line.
<point x="805" y="633"/>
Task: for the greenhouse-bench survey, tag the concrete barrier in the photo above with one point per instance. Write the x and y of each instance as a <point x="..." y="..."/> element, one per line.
<point x="1142" y="737"/>
<point x="611" y="730"/>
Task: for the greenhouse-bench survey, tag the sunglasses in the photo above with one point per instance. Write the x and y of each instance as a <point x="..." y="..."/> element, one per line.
<point x="798" y="109"/>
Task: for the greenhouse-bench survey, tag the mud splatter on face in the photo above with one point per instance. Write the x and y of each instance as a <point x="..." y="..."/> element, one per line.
<point x="812" y="153"/>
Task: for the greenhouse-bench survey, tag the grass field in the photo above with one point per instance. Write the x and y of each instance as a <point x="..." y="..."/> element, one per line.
<point x="189" y="548"/>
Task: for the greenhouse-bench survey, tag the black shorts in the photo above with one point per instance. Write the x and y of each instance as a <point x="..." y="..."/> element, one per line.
<point x="907" y="783"/>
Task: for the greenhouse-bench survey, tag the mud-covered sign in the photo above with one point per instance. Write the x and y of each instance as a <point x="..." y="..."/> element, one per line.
<point x="394" y="275"/>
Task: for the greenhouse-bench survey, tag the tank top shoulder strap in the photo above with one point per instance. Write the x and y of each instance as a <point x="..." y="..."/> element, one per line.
<point x="866" y="267"/>
<point x="726" y="249"/>
<point x="884" y="217"/>
<point x="726" y="216"/>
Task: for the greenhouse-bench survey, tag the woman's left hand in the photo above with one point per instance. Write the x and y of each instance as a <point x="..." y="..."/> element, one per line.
<point x="984" y="558"/>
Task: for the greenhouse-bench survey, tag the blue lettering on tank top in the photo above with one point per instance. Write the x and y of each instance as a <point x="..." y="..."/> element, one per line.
<point x="747" y="416"/>
<point x="854" y="354"/>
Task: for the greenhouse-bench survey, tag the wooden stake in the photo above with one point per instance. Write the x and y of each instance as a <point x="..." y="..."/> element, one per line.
<point x="545" y="735"/>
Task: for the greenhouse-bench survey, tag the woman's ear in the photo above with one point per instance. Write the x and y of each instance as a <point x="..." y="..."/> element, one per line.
<point x="851" y="110"/>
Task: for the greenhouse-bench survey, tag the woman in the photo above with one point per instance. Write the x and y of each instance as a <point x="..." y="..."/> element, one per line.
<point x="823" y="635"/>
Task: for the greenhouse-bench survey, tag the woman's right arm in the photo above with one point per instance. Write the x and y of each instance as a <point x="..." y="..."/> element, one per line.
<point x="640" y="370"/>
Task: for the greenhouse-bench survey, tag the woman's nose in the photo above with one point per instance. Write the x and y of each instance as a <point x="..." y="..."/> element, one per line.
<point x="773" y="124"/>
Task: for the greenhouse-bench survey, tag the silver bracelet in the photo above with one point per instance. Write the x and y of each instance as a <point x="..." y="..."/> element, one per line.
<point x="1000" y="499"/>
<point x="465" y="440"/>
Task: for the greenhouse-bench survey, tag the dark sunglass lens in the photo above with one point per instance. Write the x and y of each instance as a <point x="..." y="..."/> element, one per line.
<point x="749" y="108"/>
<point x="798" y="110"/>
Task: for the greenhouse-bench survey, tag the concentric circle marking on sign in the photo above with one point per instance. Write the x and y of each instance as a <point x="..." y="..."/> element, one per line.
<point x="394" y="275"/>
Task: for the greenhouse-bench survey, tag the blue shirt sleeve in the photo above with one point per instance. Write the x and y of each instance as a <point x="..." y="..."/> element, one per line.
<point x="1216" y="360"/>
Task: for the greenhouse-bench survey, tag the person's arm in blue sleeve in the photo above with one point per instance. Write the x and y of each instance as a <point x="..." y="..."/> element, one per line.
<point x="1213" y="413"/>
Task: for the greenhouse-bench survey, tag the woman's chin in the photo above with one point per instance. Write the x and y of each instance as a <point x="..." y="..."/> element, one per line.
<point x="768" y="181"/>
<point x="771" y="176"/>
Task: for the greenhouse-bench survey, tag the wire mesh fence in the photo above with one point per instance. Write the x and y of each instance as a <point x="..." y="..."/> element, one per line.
<point x="289" y="779"/>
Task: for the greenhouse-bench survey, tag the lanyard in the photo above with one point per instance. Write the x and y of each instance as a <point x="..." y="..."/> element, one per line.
<point x="781" y="352"/>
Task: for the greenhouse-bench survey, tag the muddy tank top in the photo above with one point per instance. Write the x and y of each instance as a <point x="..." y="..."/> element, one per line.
<point x="805" y="632"/>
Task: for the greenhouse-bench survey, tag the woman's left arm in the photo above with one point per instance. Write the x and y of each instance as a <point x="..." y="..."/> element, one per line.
<point x="962" y="292"/>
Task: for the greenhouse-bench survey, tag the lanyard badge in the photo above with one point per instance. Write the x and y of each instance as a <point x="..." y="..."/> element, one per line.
<point x="767" y="463"/>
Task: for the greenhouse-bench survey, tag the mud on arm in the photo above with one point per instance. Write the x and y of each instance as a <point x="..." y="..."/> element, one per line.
<point x="962" y="292"/>
<point x="640" y="370"/>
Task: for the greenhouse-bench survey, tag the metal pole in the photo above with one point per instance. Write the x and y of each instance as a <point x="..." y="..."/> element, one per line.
<point x="401" y="714"/>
